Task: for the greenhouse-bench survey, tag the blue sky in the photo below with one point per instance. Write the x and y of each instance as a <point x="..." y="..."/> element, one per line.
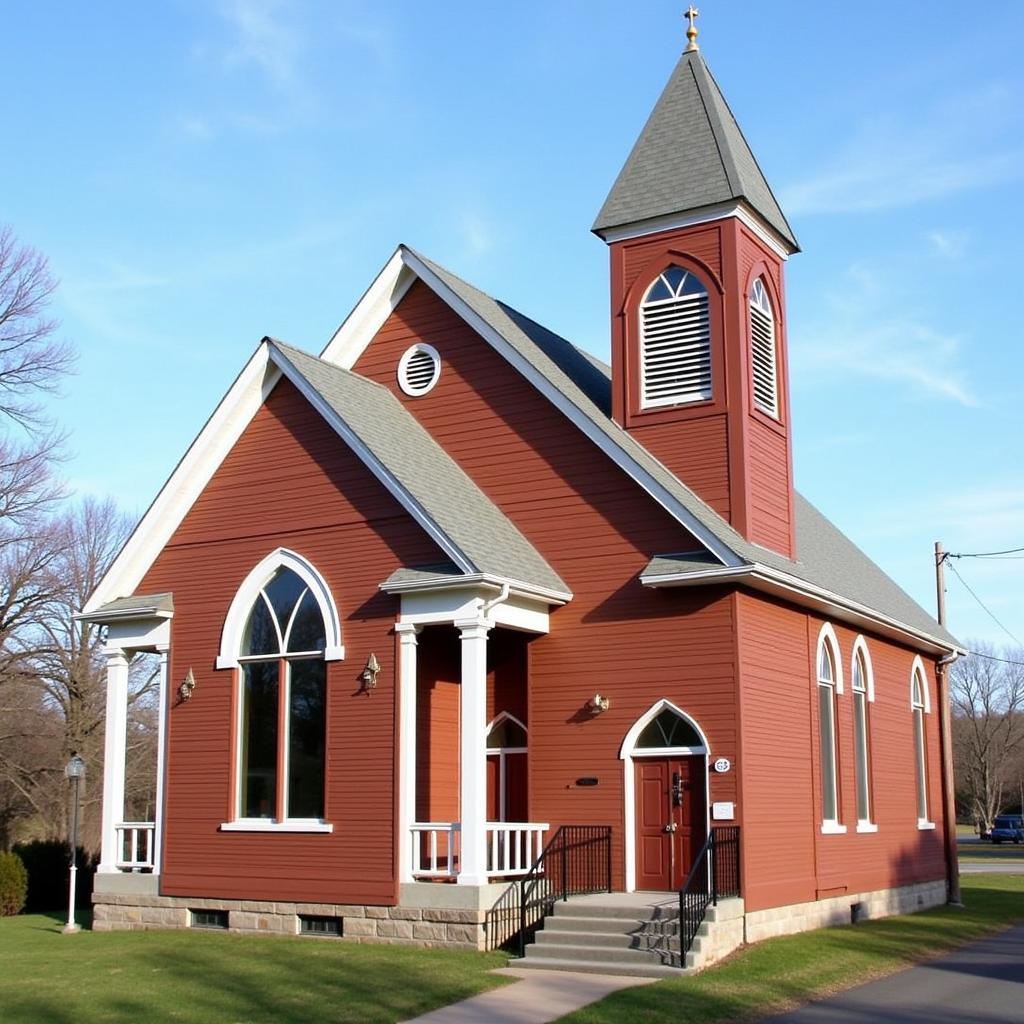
<point x="201" y="174"/>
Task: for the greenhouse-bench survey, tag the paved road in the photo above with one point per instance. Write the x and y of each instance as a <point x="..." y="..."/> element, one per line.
<point x="992" y="867"/>
<point x="980" y="984"/>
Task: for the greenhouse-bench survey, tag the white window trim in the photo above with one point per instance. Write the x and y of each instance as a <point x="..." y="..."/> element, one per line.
<point x="918" y="666"/>
<point x="270" y="825"/>
<point x="769" y="313"/>
<point x="830" y="826"/>
<point x="628" y="751"/>
<point x="860" y="646"/>
<point x="921" y="762"/>
<point x="245" y="596"/>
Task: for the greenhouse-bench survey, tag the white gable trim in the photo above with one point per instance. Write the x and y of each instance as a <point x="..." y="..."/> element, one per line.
<point x="187" y="481"/>
<point x="245" y="596"/>
<point x="370" y="313"/>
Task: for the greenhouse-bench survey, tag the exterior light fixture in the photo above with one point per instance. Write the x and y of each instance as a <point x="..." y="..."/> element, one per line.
<point x="188" y="684"/>
<point x="75" y="771"/>
<point x="597" y="703"/>
<point x="370" y="673"/>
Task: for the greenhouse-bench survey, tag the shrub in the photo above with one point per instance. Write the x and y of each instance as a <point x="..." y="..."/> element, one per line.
<point x="13" y="884"/>
<point x="47" y="863"/>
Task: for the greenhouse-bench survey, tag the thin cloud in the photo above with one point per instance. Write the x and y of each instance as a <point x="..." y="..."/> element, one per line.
<point x="889" y="163"/>
<point x="949" y="244"/>
<point x="859" y="336"/>
<point x="264" y="37"/>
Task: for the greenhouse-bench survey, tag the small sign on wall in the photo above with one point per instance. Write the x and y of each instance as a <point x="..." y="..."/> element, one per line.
<point x="722" y="765"/>
<point x="723" y="811"/>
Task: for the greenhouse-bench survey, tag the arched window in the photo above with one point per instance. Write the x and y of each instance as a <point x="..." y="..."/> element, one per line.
<point x="763" y="351"/>
<point x="668" y="731"/>
<point x="920" y="706"/>
<point x="863" y="694"/>
<point x="829" y="683"/>
<point x="282" y="703"/>
<point x="675" y="341"/>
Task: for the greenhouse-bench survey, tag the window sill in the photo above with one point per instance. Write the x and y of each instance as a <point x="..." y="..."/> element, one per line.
<point x="267" y="825"/>
<point x="832" y="828"/>
<point x="925" y="825"/>
<point x="866" y="826"/>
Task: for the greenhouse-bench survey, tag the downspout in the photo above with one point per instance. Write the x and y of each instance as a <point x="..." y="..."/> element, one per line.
<point x="485" y="608"/>
<point x="948" y="787"/>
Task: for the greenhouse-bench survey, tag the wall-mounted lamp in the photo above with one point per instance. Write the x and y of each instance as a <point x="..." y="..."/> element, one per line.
<point x="597" y="703"/>
<point x="188" y="684"/>
<point x="371" y="671"/>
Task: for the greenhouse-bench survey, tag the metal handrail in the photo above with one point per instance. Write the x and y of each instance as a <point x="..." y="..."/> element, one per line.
<point x="715" y="873"/>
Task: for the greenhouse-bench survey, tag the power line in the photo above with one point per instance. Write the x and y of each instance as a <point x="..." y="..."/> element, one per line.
<point x="992" y="657"/>
<point x="985" y="607"/>
<point x="985" y="554"/>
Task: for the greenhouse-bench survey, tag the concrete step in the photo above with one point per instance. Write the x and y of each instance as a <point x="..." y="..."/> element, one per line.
<point x="622" y="912"/>
<point x="552" y="936"/>
<point x="607" y="925"/>
<point x="632" y="970"/>
<point x="606" y="953"/>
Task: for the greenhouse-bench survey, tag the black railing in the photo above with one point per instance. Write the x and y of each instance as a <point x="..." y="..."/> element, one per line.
<point x="577" y="861"/>
<point x="715" y="874"/>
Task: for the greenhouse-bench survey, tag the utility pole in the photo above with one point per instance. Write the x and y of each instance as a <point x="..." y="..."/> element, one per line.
<point x="946" y="737"/>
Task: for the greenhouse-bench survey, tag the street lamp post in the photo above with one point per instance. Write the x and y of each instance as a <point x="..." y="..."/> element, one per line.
<point x="74" y="770"/>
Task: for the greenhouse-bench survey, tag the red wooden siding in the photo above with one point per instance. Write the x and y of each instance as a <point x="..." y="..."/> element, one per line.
<point x="289" y="481"/>
<point x="787" y="859"/>
<point x="598" y="529"/>
<point x="438" y="671"/>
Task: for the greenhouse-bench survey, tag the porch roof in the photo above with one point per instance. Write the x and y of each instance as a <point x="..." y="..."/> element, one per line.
<point x="157" y="606"/>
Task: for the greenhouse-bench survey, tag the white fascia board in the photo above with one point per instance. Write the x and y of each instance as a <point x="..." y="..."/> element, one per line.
<point x="187" y="481"/>
<point x="676" y="221"/>
<point x="370" y="313"/>
<point x="772" y="581"/>
<point x="583" y="422"/>
<point x="101" y="617"/>
<point x="372" y="463"/>
<point x="488" y="580"/>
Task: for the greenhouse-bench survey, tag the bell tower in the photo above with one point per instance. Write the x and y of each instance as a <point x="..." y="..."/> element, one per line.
<point x="697" y="243"/>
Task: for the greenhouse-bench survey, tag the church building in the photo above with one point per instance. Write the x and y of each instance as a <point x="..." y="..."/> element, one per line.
<point x="460" y="628"/>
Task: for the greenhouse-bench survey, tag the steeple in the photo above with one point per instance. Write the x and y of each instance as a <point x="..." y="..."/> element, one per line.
<point x="690" y="155"/>
<point x="697" y="246"/>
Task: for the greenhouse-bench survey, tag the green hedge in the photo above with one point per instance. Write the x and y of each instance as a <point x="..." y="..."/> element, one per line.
<point x="13" y="884"/>
<point x="47" y="862"/>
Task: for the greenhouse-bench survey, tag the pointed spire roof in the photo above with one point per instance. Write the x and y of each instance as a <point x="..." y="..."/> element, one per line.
<point x="690" y="154"/>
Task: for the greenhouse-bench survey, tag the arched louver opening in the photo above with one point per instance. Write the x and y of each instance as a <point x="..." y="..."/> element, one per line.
<point x="675" y="341"/>
<point x="763" y="352"/>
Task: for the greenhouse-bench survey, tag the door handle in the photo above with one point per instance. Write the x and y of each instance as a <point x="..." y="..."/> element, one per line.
<point x="671" y="827"/>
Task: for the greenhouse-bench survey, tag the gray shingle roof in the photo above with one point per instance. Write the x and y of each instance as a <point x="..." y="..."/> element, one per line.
<point x="138" y="604"/>
<point x="826" y="558"/>
<point x="690" y="154"/>
<point x="481" y="533"/>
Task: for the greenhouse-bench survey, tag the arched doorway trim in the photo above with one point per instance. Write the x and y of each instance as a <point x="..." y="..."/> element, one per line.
<point x="628" y="751"/>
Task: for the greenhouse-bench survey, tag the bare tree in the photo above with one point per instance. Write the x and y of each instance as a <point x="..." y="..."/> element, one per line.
<point x="988" y="708"/>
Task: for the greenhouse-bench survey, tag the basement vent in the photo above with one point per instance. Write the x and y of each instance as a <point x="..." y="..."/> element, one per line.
<point x="675" y="341"/>
<point x="419" y="369"/>
<point x="763" y="351"/>
<point x="315" y="924"/>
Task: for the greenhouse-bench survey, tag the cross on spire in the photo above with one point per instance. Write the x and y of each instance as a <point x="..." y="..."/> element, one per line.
<point x="691" y="32"/>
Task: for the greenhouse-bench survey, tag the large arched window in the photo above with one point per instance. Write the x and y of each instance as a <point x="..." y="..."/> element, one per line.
<point x="763" y="351"/>
<point x="920" y="705"/>
<point x="829" y="684"/>
<point x="675" y="341"/>
<point x="863" y="694"/>
<point x="282" y="704"/>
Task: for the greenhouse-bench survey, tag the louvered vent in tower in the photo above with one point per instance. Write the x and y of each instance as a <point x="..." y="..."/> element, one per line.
<point x="418" y="369"/>
<point x="675" y="341"/>
<point x="762" y="351"/>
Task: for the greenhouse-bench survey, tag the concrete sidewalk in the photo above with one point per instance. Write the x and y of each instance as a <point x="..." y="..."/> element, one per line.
<point x="539" y="996"/>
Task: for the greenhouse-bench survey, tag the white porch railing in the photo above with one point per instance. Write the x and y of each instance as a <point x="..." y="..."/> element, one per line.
<point x="135" y="845"/>
<point x="435" y="849"/>
<point x="513" y="846"/>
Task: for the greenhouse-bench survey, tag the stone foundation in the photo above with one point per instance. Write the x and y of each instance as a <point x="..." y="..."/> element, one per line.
<point x="458" y="925"/>
<point x="839" y="910"/>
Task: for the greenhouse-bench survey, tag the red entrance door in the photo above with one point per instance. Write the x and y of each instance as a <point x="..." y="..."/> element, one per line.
<point x="671" y="819"/>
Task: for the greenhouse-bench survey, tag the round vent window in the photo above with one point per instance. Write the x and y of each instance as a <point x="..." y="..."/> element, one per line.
<point x="418" y="369"/>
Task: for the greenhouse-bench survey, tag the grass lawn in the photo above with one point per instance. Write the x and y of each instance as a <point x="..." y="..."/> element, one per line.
<point x="775" y="975"/>
<point x="190" y="976"/>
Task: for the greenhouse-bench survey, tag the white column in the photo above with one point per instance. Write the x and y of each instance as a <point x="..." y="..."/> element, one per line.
<point x="161" y="761"/>
<point x="115" y="738"/>
<point x="407" y="746"/>
<point x="473" y="752"/>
